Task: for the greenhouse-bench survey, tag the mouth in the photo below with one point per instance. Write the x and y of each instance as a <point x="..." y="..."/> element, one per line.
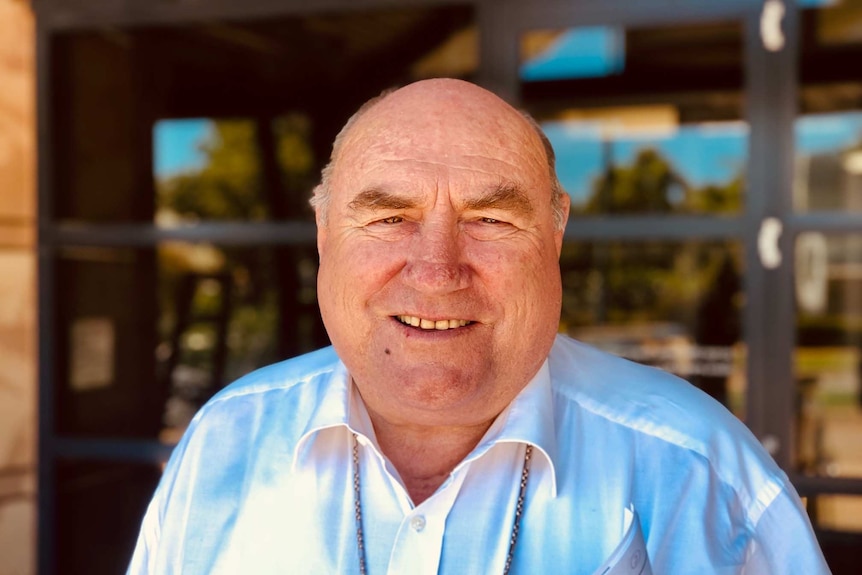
<point x="430" y="324"/>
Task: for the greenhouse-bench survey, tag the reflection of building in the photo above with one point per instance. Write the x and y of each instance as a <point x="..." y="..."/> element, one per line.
<point x="829" y="181"/>
<point x="137" y="310"/>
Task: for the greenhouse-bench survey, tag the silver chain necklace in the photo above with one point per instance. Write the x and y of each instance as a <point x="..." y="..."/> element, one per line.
<point x="516" y="524"/>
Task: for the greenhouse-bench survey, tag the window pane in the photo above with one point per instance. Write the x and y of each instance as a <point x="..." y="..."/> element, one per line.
<point x="228" y="120"/>
<point x="828" y="131"/>
<point x="98" y="514"/>
<point x="147" y="336"/>
<point x="591" y="52"/>
<point x="675" y="305"/>
<point x="836" y="512"/>
<point x="829" y="354"/>
<point x="209" y="169"/>
<point x="646" y="120"/>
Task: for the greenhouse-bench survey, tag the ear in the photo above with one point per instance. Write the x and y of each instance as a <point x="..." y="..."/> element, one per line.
<point x="321" y="234"/>
<point x="558" y="238"/>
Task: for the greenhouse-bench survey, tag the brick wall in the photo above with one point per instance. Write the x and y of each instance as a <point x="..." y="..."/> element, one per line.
<point x="18" y="303"/>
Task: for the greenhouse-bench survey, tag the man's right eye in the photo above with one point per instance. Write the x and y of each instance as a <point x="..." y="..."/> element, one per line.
<point x="392" y="220"/>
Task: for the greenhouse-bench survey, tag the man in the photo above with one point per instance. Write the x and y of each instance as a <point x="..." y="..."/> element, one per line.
<point x="449" y="429"/>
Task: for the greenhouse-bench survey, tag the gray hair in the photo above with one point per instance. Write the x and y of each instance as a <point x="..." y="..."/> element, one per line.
<point x="321" y="195"/>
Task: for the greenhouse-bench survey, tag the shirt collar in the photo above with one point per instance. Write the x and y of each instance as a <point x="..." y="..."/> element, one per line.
<point x="528" y="419"/>
<point x="331" y="408"/>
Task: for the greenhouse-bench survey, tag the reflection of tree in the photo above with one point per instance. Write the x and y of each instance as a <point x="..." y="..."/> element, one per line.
<point x="621" y="283"/>
<point x="230" y="185"/>
<point x="649" y="185"/>
<point x="227" y="187"/>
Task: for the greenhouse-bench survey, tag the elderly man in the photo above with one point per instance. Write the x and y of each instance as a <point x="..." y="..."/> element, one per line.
<point x="449" y="429"/>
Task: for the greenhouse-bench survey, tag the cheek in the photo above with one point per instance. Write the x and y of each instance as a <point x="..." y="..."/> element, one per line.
<point x="354" y="270"/>
<point x="516" y="269"/>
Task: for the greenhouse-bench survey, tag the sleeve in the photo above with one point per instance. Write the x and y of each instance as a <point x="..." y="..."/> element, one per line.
<point x="784" y="542"/>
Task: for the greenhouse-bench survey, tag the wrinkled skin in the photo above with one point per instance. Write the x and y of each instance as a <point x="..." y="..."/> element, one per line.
<point x="440" y="209"/>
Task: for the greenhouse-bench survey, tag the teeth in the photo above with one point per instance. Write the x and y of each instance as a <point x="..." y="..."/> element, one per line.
<point x="428" y="324"/>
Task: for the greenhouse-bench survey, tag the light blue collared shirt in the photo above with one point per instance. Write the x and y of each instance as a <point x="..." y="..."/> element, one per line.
<point x="262" y="482"/>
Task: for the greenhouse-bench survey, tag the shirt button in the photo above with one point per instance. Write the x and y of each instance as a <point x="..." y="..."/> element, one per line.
<point x="418" y="523"/>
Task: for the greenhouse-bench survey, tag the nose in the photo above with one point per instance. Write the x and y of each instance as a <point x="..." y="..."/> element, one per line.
<point x="436" y="264"/>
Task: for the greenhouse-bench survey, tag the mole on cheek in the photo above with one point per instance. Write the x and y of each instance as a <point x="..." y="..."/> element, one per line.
<point x="386" y="351"/>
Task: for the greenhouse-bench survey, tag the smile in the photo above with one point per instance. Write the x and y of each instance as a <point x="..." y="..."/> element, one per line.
<point x="429" y="324"/>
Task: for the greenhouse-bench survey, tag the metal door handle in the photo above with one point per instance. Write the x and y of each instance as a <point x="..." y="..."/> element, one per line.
<point x="767" y="243"/>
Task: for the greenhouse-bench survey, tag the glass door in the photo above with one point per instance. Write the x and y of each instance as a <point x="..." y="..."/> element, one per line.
<point x="648" y="121"/>
<point x="827" y="226"/>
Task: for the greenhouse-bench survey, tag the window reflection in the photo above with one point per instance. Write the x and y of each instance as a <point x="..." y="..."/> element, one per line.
<point x="829" y="354"/>
<point x="829" y="162"/>
<point x="223" y="315"/>
<point x="643" y="120"/>
<point x="233" y="169"/>
<point x="201" y="315"/>
<point x="836" y="512"/>
<point x="590" y="52"/>
<point x="640" y="160"/>
<point x="669" y="304"/>
<point x="828" y="132"/>
<point x="223" y="120"/>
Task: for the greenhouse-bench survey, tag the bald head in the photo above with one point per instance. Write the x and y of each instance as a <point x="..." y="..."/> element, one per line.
<point x="445" y="99"/>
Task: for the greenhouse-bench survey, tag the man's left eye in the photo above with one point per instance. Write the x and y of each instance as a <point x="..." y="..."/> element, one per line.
<point x="491" y="221"/>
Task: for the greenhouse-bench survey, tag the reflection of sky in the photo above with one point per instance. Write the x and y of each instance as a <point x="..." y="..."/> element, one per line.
<point x="813" y="3"/>
<point x="822" y="133"/>
<point x="175" y="145"/>
<point x="590" y="52"/>
<point x="701" y="154"/>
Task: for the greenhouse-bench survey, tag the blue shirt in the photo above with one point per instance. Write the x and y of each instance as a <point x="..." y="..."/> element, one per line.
<point x="262" y="482"/>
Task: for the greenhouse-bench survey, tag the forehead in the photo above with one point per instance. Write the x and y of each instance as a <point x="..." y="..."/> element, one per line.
<point x="450" y="135"/>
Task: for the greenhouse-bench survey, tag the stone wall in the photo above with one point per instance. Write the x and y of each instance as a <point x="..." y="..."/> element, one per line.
<point x="18" y="302"/>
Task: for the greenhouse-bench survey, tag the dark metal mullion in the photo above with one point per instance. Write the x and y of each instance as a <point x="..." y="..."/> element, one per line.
<point x="648" y="228"/>
<point x="827" y="222"/>
<point x="558" y="14"/>
<point x="88" y="14"/>
<point x="138" y="235"/>
<point x="45" y="556"/>
<point x="498" y="48"/>
<point x="135" y="450"/>
<point x="814" y="485"/>
<point x="768" y="315"/>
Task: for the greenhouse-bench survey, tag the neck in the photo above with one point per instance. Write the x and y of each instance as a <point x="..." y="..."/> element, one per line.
<point x="425" y="455"/>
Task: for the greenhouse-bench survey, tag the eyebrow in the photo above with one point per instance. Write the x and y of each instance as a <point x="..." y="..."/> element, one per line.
<point x="507" y="197"/>
<point x="376" y="199"/>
